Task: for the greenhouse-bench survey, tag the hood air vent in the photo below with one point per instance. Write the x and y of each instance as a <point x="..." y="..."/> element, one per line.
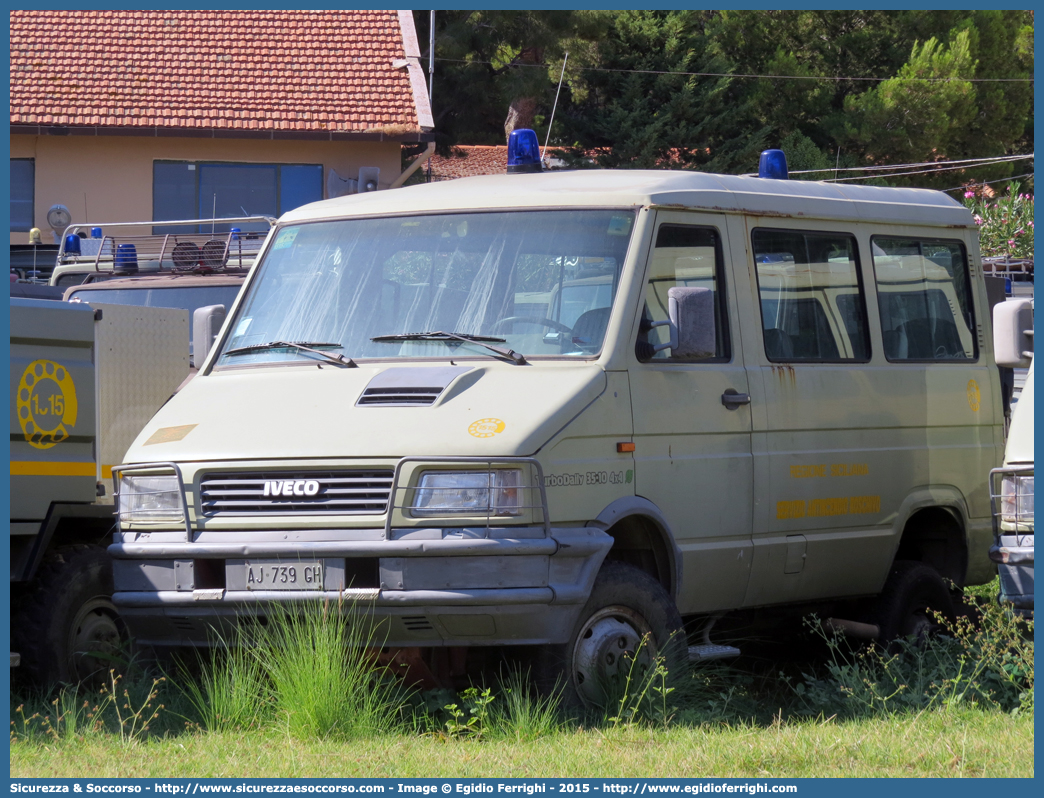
<point x="409" y="387"/>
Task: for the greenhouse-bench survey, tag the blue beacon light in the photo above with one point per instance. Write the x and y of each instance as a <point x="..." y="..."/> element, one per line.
<point x="523" y="152"/>
<point x="773" y="165"/>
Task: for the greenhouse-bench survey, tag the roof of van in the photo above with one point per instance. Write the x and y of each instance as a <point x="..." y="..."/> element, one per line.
<point x="636" y="188"/>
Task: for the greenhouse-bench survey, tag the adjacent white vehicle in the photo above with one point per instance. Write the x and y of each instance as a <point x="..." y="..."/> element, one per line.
<point x="1012" y="484"/>
<point x="102" y="251"/>
<point x="567" y="410"/>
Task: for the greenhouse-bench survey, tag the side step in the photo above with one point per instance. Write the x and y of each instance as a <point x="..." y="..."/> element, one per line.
<point x="709" y="651"/>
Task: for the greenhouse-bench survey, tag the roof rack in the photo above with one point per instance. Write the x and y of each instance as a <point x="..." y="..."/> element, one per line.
<point x="133" y="247"/>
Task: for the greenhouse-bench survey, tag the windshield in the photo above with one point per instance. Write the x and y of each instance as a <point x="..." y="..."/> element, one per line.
<point x="541" y="282"/>
<point x="188" y="297"/>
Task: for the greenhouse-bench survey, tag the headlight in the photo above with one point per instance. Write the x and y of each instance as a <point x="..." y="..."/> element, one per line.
<point x="468" y="493"/>
<point x="1017" y="500"/>
<point x="151" y="498"/>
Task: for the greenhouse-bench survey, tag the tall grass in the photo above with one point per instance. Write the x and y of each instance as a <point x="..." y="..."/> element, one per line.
<point x="521" y="713"/>
<point x="231" y="693"/>
<point x="323" y="678"/>
<point x="309" y="675"/>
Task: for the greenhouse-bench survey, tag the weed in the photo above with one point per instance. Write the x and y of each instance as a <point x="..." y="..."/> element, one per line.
<point x="472" y="719"/>
<point x="640" y="692"/>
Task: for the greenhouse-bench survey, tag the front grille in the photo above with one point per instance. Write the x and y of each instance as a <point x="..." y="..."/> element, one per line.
<point x="420" y="397"/>
<point x="326" y="492"/>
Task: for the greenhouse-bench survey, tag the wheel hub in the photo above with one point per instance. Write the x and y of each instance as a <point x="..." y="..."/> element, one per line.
<point x="94" y="641"/>
<point x="615" y="644"/>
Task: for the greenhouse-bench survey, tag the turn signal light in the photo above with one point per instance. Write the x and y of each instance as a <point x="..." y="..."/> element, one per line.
<point x="624" y="447"/>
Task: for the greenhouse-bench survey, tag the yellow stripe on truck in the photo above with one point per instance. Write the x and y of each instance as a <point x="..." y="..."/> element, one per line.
<point x="51" y="468"/>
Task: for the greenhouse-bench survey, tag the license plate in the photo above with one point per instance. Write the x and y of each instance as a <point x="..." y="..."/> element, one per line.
<point x="284" y="576"/>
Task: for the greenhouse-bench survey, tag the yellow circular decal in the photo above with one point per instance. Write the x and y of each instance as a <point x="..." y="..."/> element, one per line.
<point x="973" y="395"/>
<point x="46" y="403"/>
<point x="486" y="427"/>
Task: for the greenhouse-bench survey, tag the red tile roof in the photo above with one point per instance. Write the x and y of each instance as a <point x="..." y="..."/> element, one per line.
<point x="468" y="161"/>
<point x="302" y="71"/>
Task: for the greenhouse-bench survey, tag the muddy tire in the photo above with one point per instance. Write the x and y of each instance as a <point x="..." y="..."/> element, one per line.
<point x="629" y="618"/>
<point x="66" y="628"/>
<point x="906" y="608"/>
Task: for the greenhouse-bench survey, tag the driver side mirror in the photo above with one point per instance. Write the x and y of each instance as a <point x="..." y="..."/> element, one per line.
<point x="692" y="331"/>
<point x="206" y="323"/>
<point x="1013" y="333"/>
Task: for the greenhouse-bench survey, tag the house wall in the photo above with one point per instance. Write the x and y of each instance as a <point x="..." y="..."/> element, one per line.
<point x="115" y="172"/>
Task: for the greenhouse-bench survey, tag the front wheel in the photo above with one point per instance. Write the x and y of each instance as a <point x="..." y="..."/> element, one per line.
<point x="628" y="626"/>
<point x="67" y="629"/>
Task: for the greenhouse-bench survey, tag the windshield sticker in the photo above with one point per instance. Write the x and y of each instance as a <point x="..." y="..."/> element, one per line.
<point x="486" y="427"/>
<point x="243" y="327"/>
<point x="285" y="238"/>
<point x="620" y="225"/>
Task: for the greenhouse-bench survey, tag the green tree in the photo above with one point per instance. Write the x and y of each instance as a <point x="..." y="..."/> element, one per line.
<point x="493" y="74"/>
<point x="919" y="113"/>
<point x="639" y="110"/>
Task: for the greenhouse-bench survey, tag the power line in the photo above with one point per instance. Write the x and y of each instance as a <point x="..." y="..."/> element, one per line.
<point x="906" y="174"/>
<point x="990" y="182"/>
<point x="994" y="159"/>
<point x="890" y="170"/>
<point x="741" y="75"/>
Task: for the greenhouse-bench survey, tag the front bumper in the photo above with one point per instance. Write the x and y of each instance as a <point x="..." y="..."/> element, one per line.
<point x="429" y="587"/>
<point x="1012" y="549"/>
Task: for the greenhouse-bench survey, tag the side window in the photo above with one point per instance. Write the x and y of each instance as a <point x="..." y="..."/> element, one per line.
<point x="924" y="291"/>
<point x="686" y="256"/>
<point x="812" y="303"/>
<point x="22" y="194"/>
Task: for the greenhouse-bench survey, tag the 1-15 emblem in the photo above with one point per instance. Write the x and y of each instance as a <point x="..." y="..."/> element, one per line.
<point x="46" y="403"/>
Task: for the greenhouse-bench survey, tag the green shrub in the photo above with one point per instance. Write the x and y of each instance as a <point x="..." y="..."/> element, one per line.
<point x="1005" y="222"/>
<point x="988" y="665"/>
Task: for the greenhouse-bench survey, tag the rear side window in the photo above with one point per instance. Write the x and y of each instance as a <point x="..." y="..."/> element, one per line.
<point x="924" y="293"/>
<point x="684" y="256"/>
<point x="812" y="303"/>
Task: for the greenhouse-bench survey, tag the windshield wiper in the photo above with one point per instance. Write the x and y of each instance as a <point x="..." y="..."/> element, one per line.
<point x="304" y="346"/>
<point x="481" y="340"/>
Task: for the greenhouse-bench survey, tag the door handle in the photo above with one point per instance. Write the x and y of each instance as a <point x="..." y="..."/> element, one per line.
<point x="733" y="399"/>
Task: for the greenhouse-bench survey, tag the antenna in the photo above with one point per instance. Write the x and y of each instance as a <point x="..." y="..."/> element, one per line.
<point x="547" y="138"/>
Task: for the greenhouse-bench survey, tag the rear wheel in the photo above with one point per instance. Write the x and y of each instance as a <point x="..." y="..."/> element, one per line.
<point x="67" y="629"/>
<point x="628" y="625"/>
<point x="911" y="603"/>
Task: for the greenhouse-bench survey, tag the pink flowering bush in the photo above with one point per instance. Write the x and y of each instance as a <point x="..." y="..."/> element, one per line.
<point x="1005" y="221"/>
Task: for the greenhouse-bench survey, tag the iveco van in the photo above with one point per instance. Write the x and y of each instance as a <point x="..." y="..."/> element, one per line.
<point x="569" y="410"/>
<point x="1011" y="485"/>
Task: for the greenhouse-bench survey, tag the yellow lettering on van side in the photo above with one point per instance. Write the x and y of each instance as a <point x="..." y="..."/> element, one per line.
<point x="865" y="504"/>
<point x="803" y="471"/>
<point x="824" y="507"/>
<point x="795" y="509"/>
<point x="849" y="470"/>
